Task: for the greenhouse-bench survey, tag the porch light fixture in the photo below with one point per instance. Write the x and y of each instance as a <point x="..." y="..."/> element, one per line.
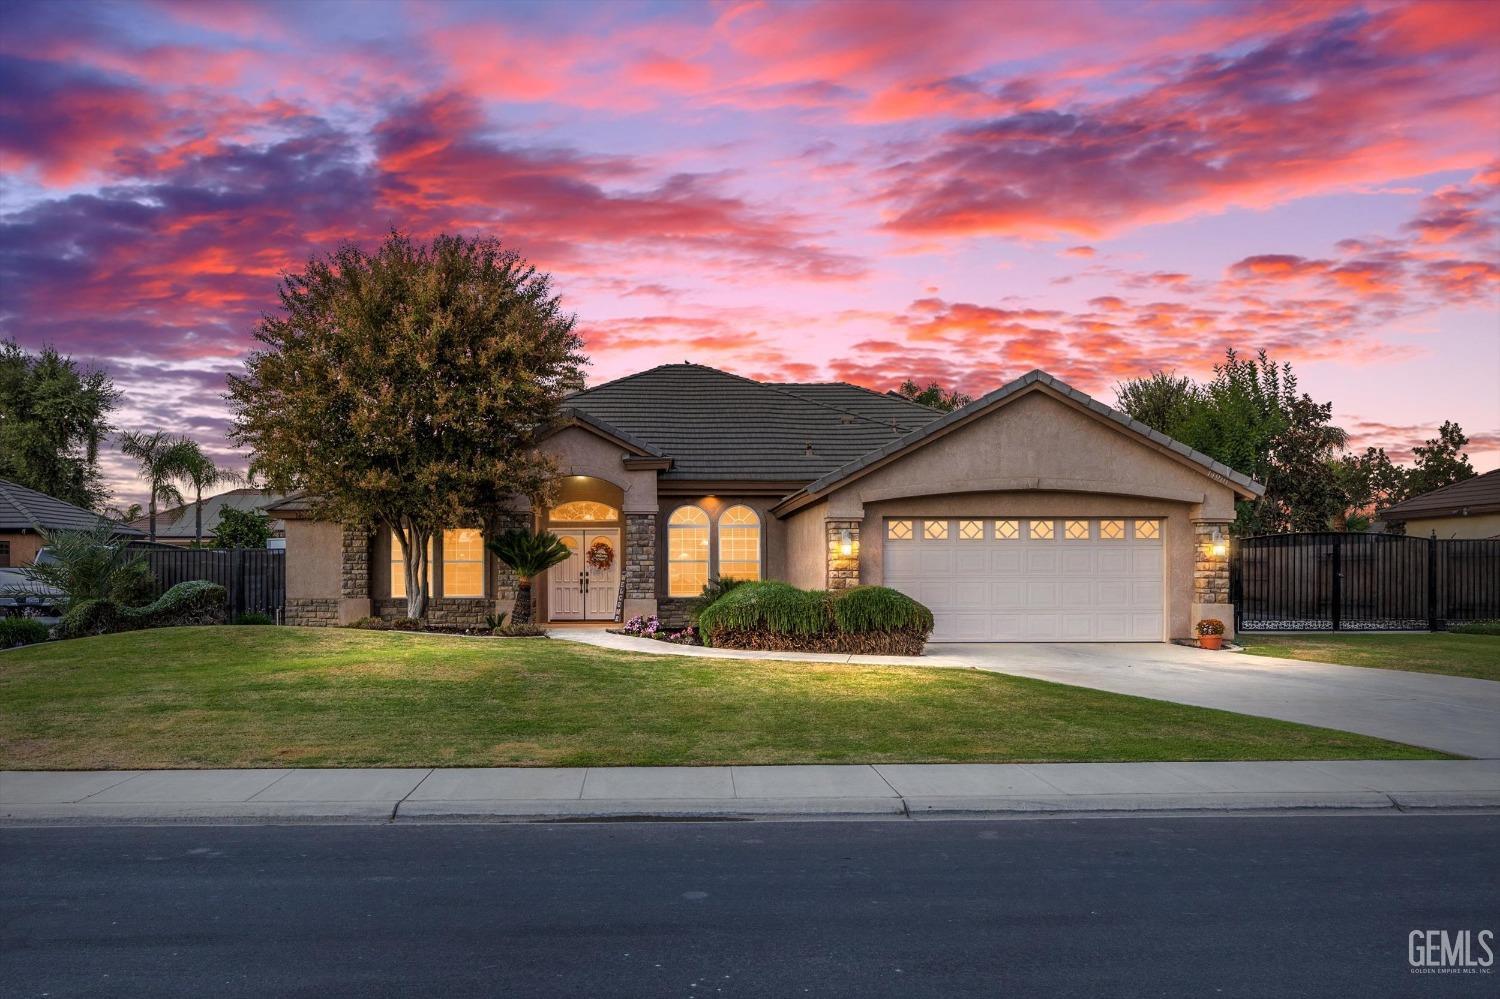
<point x="846" y="542"/>
<point x="1218" y="545"/>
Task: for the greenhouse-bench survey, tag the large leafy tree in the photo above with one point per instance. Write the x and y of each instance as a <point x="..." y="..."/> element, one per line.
<point x="53" y="416"/>
<point x="162" y="459"/>
<point x="1251" y="417"/>
<point x="1441" y="461"/>
<point x="933" y="395"/>
<point x="199" y="472"/>
<point x="407" y="388"/>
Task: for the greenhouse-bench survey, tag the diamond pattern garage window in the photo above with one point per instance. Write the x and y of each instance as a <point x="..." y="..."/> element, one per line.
<point x="1147" y="530"/>
<point x="971" y="530"/>
<point x="1042" y="530"/>
<point x="898" y="530"/>
<point x="1007" y="530"/>
<point x="935" y="530"/>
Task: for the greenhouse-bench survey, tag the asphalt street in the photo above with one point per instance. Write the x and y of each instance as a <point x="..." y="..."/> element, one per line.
<point x="1141" y="906"/>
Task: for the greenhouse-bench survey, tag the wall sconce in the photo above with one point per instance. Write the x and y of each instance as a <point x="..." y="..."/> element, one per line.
<point x="1218" y="546"/>
<point x="846" y="542"/>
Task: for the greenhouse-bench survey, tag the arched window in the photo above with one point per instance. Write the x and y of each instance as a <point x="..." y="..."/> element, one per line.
<point x="583" y="511"/>
<point x="739" y="543"/>
<point x="687" y="552"/>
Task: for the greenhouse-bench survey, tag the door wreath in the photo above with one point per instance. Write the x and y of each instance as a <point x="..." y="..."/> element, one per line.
<point x="600" y="555"/>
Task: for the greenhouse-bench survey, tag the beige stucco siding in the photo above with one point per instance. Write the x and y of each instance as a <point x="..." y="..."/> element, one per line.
<point x="807" y="548"/>
<point x="579" y="452"/>
<point x="1484" y="525"/>
<point x="23" y="546"/>
<point x="314" y="564"/>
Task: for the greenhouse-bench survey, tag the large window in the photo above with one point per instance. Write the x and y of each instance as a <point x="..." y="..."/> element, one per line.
<point x="584" y="511"/>
<point x="463" y="563"/>
<point x="739" y="543"/>
<point x="398" y="568"/>
<point x="687" y="552"/>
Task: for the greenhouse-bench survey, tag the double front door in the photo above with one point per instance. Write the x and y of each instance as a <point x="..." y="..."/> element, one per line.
<point x="587" y="585"/>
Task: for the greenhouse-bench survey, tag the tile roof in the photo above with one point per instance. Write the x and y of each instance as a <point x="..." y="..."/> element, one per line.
<point x="1480" y="494"/>
<point x="178" y="521"/>
<point x="837" y="475"/>
<point x="715" y="425"/>
<point x="24" y="509"/>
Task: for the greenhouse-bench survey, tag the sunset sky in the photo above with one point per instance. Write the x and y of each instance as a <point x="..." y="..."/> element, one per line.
<point x="858" y="191"/>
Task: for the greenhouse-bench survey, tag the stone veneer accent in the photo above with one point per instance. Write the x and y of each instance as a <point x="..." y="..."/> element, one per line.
<point x="312" y="612"/>
<point x="843" y="570"/>
<point x="673" y="611"/>
<point x="442" y="612"/>
<point x="355" y="577"/>
<point x="1210" y="572"/>
<point x="640" y="556"/>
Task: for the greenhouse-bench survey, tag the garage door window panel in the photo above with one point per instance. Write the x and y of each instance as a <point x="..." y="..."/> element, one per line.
<point x="898" y="530"/>
<point x="935" y="530"/>
<point x="1042" y="530"/>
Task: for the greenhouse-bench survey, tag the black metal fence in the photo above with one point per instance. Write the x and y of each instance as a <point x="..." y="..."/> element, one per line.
<point x="254" y="577"/>
<point x="1362" y="582"/>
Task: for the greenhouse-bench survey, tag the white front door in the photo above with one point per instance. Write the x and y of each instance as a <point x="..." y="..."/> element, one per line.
<point x="579" y="591"/>
<point x="1043" y="579"/>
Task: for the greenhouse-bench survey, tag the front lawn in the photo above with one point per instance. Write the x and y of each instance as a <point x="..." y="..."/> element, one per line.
<point x="264" y="696"/>
<point x="1475" y="656"/>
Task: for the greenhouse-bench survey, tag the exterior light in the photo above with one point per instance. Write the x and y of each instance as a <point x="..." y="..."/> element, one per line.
<point x="1219" y="546"/>
<point x="846" y="542"/>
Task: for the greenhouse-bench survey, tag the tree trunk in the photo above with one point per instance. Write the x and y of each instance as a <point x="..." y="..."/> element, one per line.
<point x="416" y="572"/>
<point x="198" y="519"/>
<point x="522" y="612"/>
<point x="153" y="514"/>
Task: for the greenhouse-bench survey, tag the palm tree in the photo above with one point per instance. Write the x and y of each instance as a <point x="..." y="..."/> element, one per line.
<point x="529" y="555"/>
<point x="161" y="458"/>
<point x="199" y="471"/>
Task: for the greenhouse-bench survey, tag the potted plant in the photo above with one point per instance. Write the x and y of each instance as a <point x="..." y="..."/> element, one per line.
<point x="1211" y="633"/>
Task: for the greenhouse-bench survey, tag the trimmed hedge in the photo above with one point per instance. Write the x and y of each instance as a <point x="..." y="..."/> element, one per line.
<point x="195" y="602"/>
<point x="1476" y="628"/>
<point x="16" y="631"/>
<point x="779" y="617"/>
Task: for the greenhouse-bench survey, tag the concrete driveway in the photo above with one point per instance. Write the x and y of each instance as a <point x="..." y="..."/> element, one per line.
<point x="1447" y="713"/>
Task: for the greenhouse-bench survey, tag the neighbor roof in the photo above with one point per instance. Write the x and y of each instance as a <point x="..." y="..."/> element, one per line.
<point x="1480" y="494"/>
<point x="719" y="426"/>
<point x="179" y="521"/>
<point x="1246" y="485"/>
<point x="23" y="509"/>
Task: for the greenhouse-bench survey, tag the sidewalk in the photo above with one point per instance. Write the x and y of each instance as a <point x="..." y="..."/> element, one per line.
<point x="894" y="790"/>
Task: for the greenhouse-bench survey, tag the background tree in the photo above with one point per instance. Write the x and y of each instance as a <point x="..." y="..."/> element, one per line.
<point x="529" y="555"/>
<point x="1370" y="481"/>
<point x="162" y="458"/>
<point x="1441" y="461"/>
<point x="199" y="472"/>
<point x="1161" y="400"/>
<point x="933" y="396"/>
<point x="123" y="514"/>
<point x="407" y="389"/>
<point x="52" y="417"/>
<point x="242" y="529"/>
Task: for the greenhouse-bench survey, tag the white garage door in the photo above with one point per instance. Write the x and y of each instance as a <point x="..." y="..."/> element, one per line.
<point x="1024" y="580"/>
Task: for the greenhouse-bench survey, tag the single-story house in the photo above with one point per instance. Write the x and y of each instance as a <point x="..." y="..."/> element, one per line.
<point x="178" y="525"/>
<point x="1033" y="514"/>
<point x="1467" y="509"/>
<point x="24" y="513"/>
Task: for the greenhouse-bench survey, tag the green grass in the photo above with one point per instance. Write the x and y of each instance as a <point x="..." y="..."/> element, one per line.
<point x="1475" y="656"/>
<point x="261" y="696"/>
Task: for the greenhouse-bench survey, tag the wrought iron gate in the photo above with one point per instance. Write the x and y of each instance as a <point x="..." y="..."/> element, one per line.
<point x="1362" y="582"/>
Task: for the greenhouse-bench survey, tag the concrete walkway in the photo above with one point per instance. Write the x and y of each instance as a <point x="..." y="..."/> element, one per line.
<point x="1452" y="714"/>
<point x="897" y="790"/>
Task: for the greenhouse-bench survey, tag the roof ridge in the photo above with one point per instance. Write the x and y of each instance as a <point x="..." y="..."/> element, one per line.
<point x="632" y="375"/>
<point x="895" y="396"/>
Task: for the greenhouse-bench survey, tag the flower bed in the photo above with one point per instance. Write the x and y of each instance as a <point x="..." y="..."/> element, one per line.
<point x="642" y="626"/>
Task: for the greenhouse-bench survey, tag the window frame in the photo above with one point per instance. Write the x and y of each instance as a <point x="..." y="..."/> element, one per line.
<point x="706" y="526"/>
<point x="482" y="561"/>
<point x="758" y="526"/>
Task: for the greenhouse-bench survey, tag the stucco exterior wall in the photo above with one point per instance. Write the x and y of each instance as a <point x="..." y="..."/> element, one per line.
<point x="578" y="452"/>
<point x="806" y="559"/>
<point x="1483" y="525"/>
<point x="23" y="547"/>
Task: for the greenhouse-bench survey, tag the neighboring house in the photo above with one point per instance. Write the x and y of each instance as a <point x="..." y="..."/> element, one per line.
<point x="1033" y="514"/>
<point x="177" y="525"/>
<point x="1467" y="509"/>
<point x="24" y="512"/>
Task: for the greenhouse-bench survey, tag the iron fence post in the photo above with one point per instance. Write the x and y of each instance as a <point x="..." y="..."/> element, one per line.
<point x="1432" y="587"/>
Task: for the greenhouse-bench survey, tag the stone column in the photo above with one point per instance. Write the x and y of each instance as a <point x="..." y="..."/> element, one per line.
<point x="1211" y="575"/>
<point x="843" y="567"/>
<point x="503" y="581"/>
<point x="639" y="565"/>
<point x="354" y="574"/>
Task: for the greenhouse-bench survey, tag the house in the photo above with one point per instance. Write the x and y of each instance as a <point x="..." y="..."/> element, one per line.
<point x="1467" y="509"/>
<point x="24" y="513"/>
<point x="177" y="526"/>
<point x="1033" y="514"/>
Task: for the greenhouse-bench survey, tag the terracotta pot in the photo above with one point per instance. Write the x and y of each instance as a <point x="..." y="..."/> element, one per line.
<point x="1212" y="642"/>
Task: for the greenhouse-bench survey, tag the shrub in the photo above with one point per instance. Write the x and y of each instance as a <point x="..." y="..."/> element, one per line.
<point x="494" y="622"/>
<point x="370" y="624"/>
<point x="1476" y="628"/>
<point x="242" y="529"/>
<point x="526" y="630"/>
<point x="16" y="631"/>
<point x="195" y="602"/>
<point x="1210" y="626"/>
<point x="253" y="618"/>
<point x="87" y="565"/>
<point x="406" y="624"/>
<point x="712" y="591"/>
<point x="879" y="608"/>
<point x="779" y="608"/>
<point x="91" y="617"/>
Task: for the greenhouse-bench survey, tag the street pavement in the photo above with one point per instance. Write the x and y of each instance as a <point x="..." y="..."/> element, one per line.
<point x="891" y="790"/>
<point x="1091" y="907"/>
